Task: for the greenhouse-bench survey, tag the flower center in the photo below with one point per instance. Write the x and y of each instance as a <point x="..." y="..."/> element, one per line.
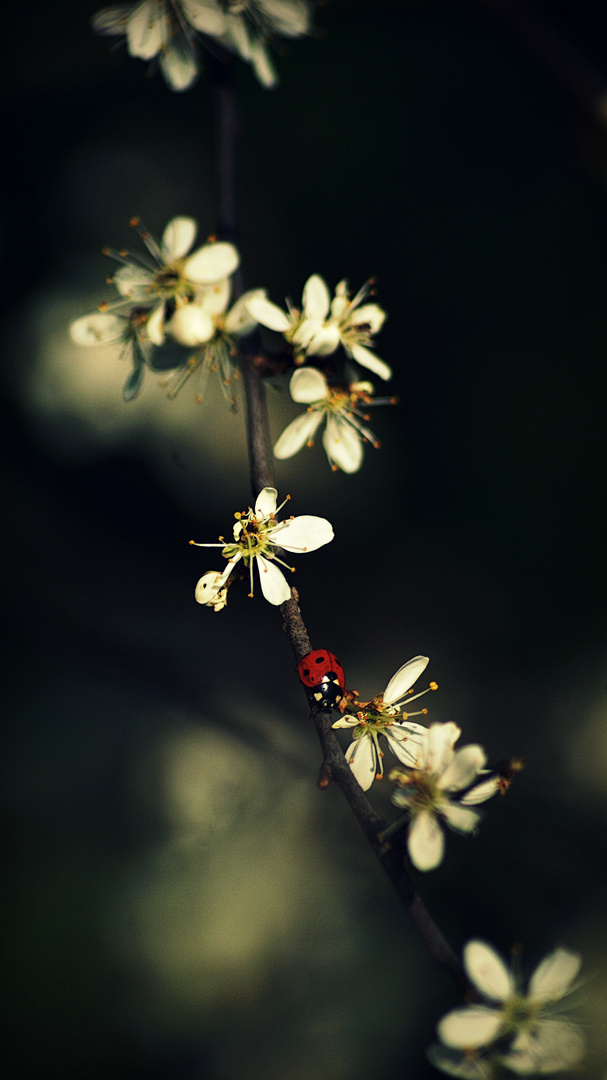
<point x="518" y="1013"/>
<point x="170" y="281"/>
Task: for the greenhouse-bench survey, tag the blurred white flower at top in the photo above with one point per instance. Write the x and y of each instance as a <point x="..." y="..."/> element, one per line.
<point x="167" y="29"/>
<point x="250" y="24"/>
<point x="517" y="1025"/>
<point x="345" y="431"/>
<point x="164" y="29"/>
<point x="324" y="324"/>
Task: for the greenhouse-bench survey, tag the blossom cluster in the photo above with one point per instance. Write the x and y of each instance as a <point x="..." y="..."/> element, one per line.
<point x="510" y="1031"/>
<point x="439" y="785"/>
<point x="174" y="314"/>
<point x="173" y="311"/>
<point x="168" y="32"/>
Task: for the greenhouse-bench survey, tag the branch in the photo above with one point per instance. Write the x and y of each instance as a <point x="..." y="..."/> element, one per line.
<point x="334" y="767"/>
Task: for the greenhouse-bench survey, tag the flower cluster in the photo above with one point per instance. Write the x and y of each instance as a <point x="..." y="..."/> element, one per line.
<point x="172" y="311"/>
<point x="511" y="1030"/>
<point x="439" y="785"/>
<point x="323" y="324"/>
<point x="258" y="537"/>
<point x="167" y="31"/>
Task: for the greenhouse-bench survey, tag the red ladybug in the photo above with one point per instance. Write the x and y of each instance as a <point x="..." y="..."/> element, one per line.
<point x="323" y="677"/>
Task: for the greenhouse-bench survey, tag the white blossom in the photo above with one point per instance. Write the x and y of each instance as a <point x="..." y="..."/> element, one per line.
<point x="169" y="292"/>
<point x="257" y="536"/>
<point x="170" y="278"/>
<point x="528" y="1041"/>
<point x="440" y="788"/>
<point x="165" y="29"/>
<point x="345" y="431"/>
<point x="324" y="324"/>
<point x="385" y="715"/>
<point x="251" y="24"/>
<point x="207" y="328"/>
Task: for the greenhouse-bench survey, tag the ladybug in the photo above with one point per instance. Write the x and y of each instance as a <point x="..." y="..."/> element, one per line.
<point x="323" y="677"/>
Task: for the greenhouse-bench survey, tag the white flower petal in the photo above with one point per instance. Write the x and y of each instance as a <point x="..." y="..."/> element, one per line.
<point x="361" y="755"/>
<point x="437" y="751"/>
<point x="110" y="20"/>
<point x="147" y="29"/>
<point x="214" y="299"/>
<point x="155" y="325"/>
<point x="370" y="315"/>
<point x="297" y="434"/>
<point x="343" y="445"/>
<point x="460" y="1065"/>
<point x="550" y="1046"/>
<point x="262" y="65"/>
<point x="371" y="361"/>
<point x="426" y="841"/>
<point x="304" y="533"/>
<point x="323" y="341"/>
<point x="482" y="791"/>
<point x="459" y="818"/>
<point x="178" y="237"/>
<point x="205" y="16"/>
<point x="289" y="18"/>
<point x="191" y="325"/>
<point x="405" y="741"/>
<point x="486" y="969"/>
<point x="552" y="978"/>
<point x="265" y="504"/>
<point x="179" y="64"/>
<point x="316" y="298"/>
<point x="133" y="282"/>
<point x="207" y="587"/>
<point x="463" y="768"/>
<point x="346" y="722"/>
<point x="404" y="678"/>
<point x="268" y="314"/>
<point x="98" y="328"/>
<point x="211" y="263"/>
<point x="237" y="37"/>
<point x="308" y="385"/>
<point x="467" y="1028"/>
<point x="273" y="583"/>
<point x="239" y="320"/>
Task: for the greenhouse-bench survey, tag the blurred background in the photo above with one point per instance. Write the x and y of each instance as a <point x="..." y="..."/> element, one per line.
<point x="183" y="903"/>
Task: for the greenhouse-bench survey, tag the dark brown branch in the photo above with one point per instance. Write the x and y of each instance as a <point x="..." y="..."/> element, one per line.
<point x="335" y="767"/>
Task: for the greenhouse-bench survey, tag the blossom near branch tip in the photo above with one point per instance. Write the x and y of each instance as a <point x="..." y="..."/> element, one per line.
<point x="258" y="537"/>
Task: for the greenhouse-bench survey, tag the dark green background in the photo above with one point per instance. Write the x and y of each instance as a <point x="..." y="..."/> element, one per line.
<point x="421" y="143"/>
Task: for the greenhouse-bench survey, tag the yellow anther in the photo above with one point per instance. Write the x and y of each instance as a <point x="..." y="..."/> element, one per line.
<point x="434" y="686"/>
<point x="134" y="222"/>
